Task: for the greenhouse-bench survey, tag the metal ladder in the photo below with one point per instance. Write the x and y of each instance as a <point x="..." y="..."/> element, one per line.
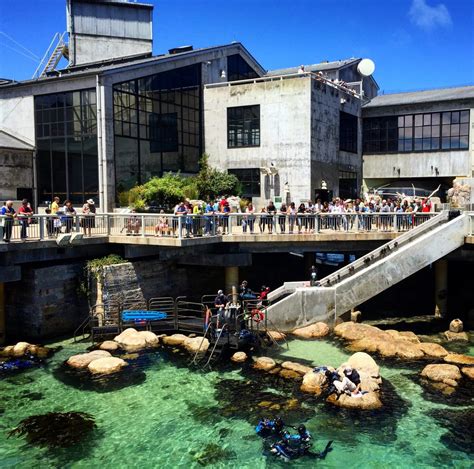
<point x="52" y="55"/>
<point x="214" y="348"/>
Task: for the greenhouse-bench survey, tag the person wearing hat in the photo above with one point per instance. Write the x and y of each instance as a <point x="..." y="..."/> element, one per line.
<point x="219" y="303"/>
<point x="88" y="220"/>
<point x="351" y="380"/>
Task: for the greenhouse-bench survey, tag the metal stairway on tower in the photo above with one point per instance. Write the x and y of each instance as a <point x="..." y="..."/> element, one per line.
<point x="57" y="49"/>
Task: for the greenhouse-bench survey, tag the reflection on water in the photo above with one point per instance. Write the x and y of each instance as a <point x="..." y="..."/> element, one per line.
<point x="159" y="413"/>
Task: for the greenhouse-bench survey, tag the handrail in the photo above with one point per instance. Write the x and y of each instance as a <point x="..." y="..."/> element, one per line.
<point x="277" y="330"/>
<point x="193" y="361"/>
<point x="82" y="326"/>
<point x="215" y="345"/>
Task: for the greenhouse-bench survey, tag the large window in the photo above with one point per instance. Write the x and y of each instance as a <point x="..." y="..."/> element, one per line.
<point x="347" y="132"/>
<point x="66" y="140"/>
<point x="239" y="69"/>
<point x="243" y="126"/>
<point x="157" y="122"/>
<point x="417" y="132"/>
<point x="249" y="179"/>
<point x="348" y="184"/>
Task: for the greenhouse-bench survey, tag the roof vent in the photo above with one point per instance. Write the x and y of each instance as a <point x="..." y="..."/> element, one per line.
<point x="179" y="50"/>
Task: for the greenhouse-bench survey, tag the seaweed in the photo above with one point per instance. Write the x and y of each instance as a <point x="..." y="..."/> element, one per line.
<point x="211" y="454"/>
<point x="55" y="429"/>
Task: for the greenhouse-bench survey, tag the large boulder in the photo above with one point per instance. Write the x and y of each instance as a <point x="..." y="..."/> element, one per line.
<point x="20" y="349"/>
<point x="314" y="331"/>
<point x="132" y="342"/>
<point x="290" y="374"/>
<point x="264" y="363"/>
<point x="7" y="351"/>
<point x="239" y="357"/>
<point x="82" y="360"/>
<point x="432" y="350"/>
<point x="296" y="367"/>
<point x="442" y="373"/>
<point x="126" y="333"/>
<point x="276" y="335"/>
<point x="106" y="365"/>
<point x="369" y="401"/>
<point x="459" y="359"/>
<point x="195" y="344"/>
<point x="109" y="345"/>
<point x="456" y="336"/>
<point x="151" y="338"/>
<point x="456" y="325"/>
<point x="355" y="331"/>
<point x="468" y="371"/>
<point x="364" y="362"/>
<point x="313" y="382"/>
<point x="175" y="339"/>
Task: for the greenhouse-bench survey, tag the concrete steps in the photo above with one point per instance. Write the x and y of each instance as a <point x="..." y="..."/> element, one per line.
<point x="367" y="277"/>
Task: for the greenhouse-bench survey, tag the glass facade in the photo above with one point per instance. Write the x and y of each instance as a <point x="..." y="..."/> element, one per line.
<point x="157" y="125"/>
<point x="239" y="69"/>
<point x="243" y="126"/>
<point x="66" y="141"/>
<point x="348" y="184"/>
<point x="249" y="179"/>
<point x="417" y="132"/>
<point x="347" y="132"/>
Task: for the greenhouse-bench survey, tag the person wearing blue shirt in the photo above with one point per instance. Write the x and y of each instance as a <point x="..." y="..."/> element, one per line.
<point x="8" y="213"/>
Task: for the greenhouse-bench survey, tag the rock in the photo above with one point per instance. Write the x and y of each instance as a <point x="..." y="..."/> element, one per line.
<point x="313" y="383"/>
<point x="151" y="338"/>
<point x="275" y="335"/>
<point x="129" y="356"/>
<point x="291" y="404"/>
<point x="369" y="401"/>
<point x="289" y="374"/>
<point x="364" y="362"/>
<point x="456" y="336"/>
<point x="313" y="331"/>
<point x="109" y="345"/>
<point x="264" y="363"/>
<point x="432" y="350"/>
<point x="468" y="371"/>
<point x="175" y="339"/>
<point x="126" y="333"/>
<point x="132" y="342"/>
<point x="456" y="325"/>
<point x="265" y="403"/>
<point x="409" y="351"/>
<point x="356" y="316"/>
<point x="82" y="360"/>
<point x="275" y="371"/>
<point x="296" y="367"/>
<point x="106" y="365"/>
<point x="42" y="352"/>
<point x="239" y="357"/>
<point x="6" y="351"/>
<point x="353" y="331"/>
<point x="459" y="359"/>
<point x="20" y="349"/>
<point x="447" y="374"/>
<point x="195" y="344"/>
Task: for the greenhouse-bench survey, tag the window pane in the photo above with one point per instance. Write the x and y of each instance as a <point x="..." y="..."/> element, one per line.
<point x="408" y="121"/>
<point x="435" y="131"/>
<point x="455" y="142"/>
<point x="400" y="121"/>
<point x="426" y="131"/>
<point x="446" y="130"/>
<point x="464" y="116"/>
<point x="435" y="118"/>
<point x="464" y="129"/>
<point x="426" y="143"/>
<point x="418" y="120"/>
<point x="454" y="129"/>
<point x="445" y="143"/>
<point x="408" y="145"/>
<point x="418" y="144"/>
<point x="455" y="117"/>
<point x="435" y="143"/>
<point x="427" y="119"/>
<point x="446" y="118"/>
<point x="418" y="132"/>
<point x="463" y="142"/>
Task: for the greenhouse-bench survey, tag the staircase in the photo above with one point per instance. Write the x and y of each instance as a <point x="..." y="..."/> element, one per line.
<point x="56" y="51"/>
<point x="367" y="277"/>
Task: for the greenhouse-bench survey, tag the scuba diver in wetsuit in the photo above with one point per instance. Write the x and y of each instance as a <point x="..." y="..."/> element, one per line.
<point x="267" y="427"/>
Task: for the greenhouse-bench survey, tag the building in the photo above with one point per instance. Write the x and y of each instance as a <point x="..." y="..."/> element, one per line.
<point x="424" y="138"/>
<point x="98" y="128"/>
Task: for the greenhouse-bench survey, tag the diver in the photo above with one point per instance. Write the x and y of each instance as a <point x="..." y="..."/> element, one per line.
<point x="267" y="427"/>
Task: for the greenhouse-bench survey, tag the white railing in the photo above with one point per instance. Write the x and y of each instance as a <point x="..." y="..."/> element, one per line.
<point x="471" y="224"/>
<point x="43" y="227"/>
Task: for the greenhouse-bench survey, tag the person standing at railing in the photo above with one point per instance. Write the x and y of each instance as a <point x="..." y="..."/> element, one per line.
<point x="311" y="217"/>
<point x="88" y="219"/>
<point x="301" y="220"/>
<point x="271" y="211"/>
<point x="25" y="214"/>
<point x="282" y="218"/>
<point x="209" y="219"/>
<point x="249" y="218"/>
<point x="55" y="206"/>
<point x="9" y="214"/>
<point x="291" y="217"/>
<point x="69" y="213"/>
<point x="263" y="220"/>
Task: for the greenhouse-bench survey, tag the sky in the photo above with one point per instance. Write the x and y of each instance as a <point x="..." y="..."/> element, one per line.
<point x="415" y="44"/>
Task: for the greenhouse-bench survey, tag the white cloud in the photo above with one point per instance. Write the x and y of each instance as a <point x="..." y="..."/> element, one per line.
<point x="427" y="17"/>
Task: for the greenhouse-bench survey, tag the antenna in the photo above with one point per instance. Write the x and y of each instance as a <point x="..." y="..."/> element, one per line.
<point x="366" y="67"/>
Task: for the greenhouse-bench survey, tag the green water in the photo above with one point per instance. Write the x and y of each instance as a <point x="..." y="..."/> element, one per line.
<point x="169" y="414"/>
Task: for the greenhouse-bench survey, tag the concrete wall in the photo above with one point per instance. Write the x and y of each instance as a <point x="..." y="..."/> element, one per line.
<point x="16" y="170"/>
<point x="285" y="129"/>
<point x="17" y="113"/>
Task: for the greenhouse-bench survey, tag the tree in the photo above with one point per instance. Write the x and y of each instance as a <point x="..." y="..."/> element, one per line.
<point x="212" y="183"/>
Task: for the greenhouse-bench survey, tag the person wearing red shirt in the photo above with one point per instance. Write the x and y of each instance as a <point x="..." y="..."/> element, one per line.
<point x="426" y="206"/>
<point x="25" y="212"/>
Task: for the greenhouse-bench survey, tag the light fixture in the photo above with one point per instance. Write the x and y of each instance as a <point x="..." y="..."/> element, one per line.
<point x="223" y="74"/>
<point x="286" y="188"/>
<point x="324" y="185"/>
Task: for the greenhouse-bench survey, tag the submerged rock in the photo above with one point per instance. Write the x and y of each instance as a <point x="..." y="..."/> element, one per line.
<point x="106" y="365"/>
<point x="264" y="363"/>
<point x="433" y="350"/>
<point x="195" y="344"/>
<point x="151" y="339"/>
<point x="239" y="357"/>
<point x="459" y="359"/>
<point x="456" y="336"/>
<point x="109" y="346"/>
<point x="442" y="373"/>
<point x="369" y="401"/>
<point x="55" y="429"/>
<point x="83" y="359"/>
<point x="290" y="374"/>
<point x="468" y="372"/>
<point x="175" y="339"/>
<point x="314" y="331"/>
<point x="21" y="349"/>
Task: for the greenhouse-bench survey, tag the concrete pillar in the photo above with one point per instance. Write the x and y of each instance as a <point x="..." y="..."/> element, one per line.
<point x="231" y="278"/>
<point x="441" y="287"/>
<point x="2" y="314"/>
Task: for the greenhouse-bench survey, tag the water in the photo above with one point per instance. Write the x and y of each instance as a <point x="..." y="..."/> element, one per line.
<point x="161" y="414"/>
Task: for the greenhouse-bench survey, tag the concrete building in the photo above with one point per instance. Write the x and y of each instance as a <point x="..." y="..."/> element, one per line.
<point x="424" y="138"/>
<point x="290" y="135"/>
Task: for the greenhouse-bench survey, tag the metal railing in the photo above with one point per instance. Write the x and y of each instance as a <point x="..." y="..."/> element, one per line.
<point x="168" y="226"/>
<point x="471" y="224"/>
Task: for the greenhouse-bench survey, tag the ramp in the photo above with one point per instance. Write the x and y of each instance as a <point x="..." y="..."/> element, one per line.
<point x="370" y="275"/>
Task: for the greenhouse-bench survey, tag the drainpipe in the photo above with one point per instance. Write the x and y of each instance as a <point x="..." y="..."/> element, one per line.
<point x="35" y="182"/>
<point x="99" y="144"/>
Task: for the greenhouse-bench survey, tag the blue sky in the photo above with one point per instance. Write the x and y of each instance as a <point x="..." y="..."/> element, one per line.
<point x="415" y="44"/>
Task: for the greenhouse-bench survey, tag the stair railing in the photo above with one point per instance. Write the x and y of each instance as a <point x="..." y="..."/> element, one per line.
<point x="215" y="345"/>
<point x="194" y="360"/>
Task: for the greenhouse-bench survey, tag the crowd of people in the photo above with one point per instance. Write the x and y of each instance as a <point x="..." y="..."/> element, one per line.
<point x="60" y="217"/>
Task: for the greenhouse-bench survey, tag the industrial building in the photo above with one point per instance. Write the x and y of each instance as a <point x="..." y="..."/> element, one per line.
<point x="116" y="116"/>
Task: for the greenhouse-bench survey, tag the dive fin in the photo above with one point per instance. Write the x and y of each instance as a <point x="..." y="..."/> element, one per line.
<point x="326" y="450"/>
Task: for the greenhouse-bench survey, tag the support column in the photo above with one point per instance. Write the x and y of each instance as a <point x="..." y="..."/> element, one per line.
<point x="2" y="314"/>
<point x="231" y="279"/>
<point x="441" y="287"/>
